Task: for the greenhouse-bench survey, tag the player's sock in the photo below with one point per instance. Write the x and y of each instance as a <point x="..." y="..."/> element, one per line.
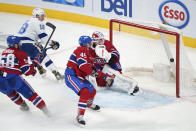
<point x="16" y="98"/>
<point x="82" y="103"/>
<point x="37" y="101"/>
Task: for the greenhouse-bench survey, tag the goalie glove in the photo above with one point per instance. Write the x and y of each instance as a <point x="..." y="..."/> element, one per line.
<point x="103" y="53"/>
<point x="55" y="45"/>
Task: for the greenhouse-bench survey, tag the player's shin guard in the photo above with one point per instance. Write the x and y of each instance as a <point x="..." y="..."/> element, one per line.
<point x="37" y="101"/>
<point x="16" y="98"/>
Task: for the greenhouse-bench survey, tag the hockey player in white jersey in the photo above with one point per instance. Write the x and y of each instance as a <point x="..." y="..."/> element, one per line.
<point x="33" y="38"/>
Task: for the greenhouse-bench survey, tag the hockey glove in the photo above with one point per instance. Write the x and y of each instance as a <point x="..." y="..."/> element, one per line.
<point x="35" y="62"/>
<point x="97" y="73"/>
<point x="113" y="59"/>
<point x="55" y="45"/>
<point x="34" y="72"/>
<point x="109" y="79"/>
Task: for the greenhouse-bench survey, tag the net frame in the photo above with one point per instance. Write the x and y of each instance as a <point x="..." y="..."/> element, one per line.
<point x="173" y="33"/>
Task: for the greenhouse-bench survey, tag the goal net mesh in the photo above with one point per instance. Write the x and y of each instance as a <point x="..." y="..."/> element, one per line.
<point x="152" y="48"/>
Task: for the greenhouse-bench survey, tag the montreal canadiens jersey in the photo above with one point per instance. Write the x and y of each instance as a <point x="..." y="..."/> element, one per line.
<point x="33" y="30"/>
<point x="110" y="48"/>
<point x="15" y="61"/>
<point x="81" y="62"/>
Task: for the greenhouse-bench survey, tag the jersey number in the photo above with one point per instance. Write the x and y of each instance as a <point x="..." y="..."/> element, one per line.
<point x="83" y="55"/>
<point x="7" y="61"/>
<point x="23" y="28"/>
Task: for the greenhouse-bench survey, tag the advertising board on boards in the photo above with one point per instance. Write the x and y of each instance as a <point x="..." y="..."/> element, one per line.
<point x="118" y="7"/>
<point x="174" y="13"/>
<point x="79" y="3"/>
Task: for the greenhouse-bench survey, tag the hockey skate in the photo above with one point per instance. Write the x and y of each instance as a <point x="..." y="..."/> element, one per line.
<point x="94" y="107"/>
<point x="134" y="91"/>
<point x="46" y="111"/>
<point x="24" y="106"/>
<point x="41" y="70"/>
<point x="80" y="120"/>
<point x="57" y="74"/>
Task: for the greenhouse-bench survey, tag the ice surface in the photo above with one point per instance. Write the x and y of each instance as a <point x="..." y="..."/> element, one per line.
<point x="156" y="109"/>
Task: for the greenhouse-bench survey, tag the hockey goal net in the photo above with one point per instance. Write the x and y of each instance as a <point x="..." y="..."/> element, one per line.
<point x="156" y="49"/>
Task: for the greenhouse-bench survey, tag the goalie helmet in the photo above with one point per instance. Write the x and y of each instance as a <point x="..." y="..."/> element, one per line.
<point x="38" y="11"/>
<point x="98" y="37"/>
<point x="84" y="40"/>
<point x="11" y="40"/>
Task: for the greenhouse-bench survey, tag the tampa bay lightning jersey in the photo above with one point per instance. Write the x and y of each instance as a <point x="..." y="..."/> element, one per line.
<point x="33" y="30"/>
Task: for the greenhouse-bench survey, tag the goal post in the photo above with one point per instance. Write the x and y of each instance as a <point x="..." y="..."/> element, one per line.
<point x="118" y="25"/>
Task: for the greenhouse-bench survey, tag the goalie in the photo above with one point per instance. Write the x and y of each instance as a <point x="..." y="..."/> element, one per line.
<point x="105" y="53"/>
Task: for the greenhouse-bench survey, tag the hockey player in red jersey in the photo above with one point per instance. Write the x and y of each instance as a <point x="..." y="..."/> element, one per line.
<point x="80" y="66"/>
<point x="112" y="59"/>
<point x="14" y="63"/>
<point x="104" y="53"/>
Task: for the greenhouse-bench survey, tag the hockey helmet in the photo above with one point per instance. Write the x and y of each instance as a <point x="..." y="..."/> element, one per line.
<point x="98" y="37"/>
<point x="83" y="40"/>
<point x="38" y="11"/>
<point x="11" y="40"/>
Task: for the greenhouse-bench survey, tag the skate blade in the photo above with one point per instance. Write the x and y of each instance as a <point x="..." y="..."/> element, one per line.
<point x="93" y="110"/>
<point x="78" y="124"/>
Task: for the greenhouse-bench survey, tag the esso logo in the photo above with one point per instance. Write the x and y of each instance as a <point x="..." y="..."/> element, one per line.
<point x="174" y="13"/>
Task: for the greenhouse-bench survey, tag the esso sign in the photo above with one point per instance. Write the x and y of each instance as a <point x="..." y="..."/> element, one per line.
<point x="174" y="13"/>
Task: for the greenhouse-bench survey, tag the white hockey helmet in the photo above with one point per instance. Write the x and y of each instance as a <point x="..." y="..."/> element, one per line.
<point x="98" y="37"/>
<point x="38" y="11"/>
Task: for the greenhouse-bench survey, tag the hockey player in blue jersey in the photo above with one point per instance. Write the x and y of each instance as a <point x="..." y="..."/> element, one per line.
<point x="14" y="63"/>
<point x="33" y="38"/>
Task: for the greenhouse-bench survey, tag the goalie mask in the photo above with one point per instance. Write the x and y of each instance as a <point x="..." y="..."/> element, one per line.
<point x="98" y="38"/>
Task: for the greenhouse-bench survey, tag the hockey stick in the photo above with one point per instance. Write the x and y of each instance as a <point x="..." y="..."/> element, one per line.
<point x="53" y="29"/>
